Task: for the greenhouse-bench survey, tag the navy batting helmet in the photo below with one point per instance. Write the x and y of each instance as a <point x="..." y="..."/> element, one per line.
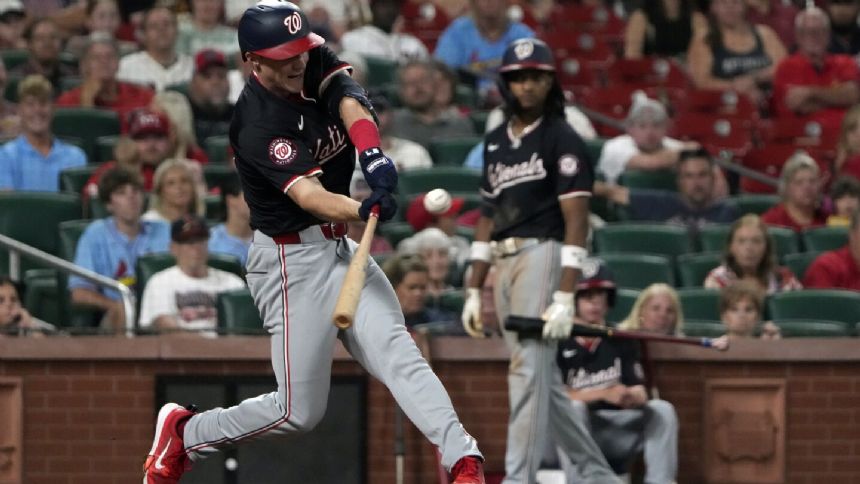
<point x="276" y="30"/>
<point x="596" y="275"/>
<point x="524" y="54"/>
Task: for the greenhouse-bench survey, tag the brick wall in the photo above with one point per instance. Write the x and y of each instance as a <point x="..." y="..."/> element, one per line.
<point x="91" y="421"/>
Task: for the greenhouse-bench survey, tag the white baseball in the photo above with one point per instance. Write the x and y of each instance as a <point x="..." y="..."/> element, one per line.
<point x="437" y="201"/>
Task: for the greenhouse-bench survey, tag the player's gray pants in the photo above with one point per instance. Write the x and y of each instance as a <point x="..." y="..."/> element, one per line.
<point x="295" y="287"/>
<point x="538" y="401"/>
<point x="659" y="436"/>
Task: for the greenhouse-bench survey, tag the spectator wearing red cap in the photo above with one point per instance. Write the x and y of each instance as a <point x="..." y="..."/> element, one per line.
<point x="146" y="146"/>
<point x="158" y="64"/>
<point x="209" y="95"/>
<point x="422" y="214"/>
<point x="100" y="87"/>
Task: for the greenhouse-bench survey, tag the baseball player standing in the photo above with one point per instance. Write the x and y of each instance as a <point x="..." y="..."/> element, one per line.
<point x="295" y="131"/>
<point x="536" y="186"/>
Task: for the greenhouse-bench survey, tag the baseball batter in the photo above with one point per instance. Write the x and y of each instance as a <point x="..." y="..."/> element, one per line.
<point x="295" y="132"/>
<point x="536" y="187"/>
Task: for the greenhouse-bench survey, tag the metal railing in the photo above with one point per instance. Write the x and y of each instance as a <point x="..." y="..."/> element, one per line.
<point x="17" y="248"/>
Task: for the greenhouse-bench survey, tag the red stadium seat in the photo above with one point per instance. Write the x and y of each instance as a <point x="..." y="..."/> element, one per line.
<point x="613" y="102"/>
<point x="769" y="160"/>
<point x="722" y="103"/>
<point x="718" y="134"/>
<point x="798" y="132"/>
<point x="647" y="72"/>
<point x="583" y="46"/>
<point x="577" y="76"/>
<point x="425" y="21"/>
<point x="598" y="20"/>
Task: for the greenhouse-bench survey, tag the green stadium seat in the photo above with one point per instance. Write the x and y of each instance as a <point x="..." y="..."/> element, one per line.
<point x="87" y="124"/>
<point x="793" y="328"/>
<point x="479" y="120"/>
<point x="104" y="148"/>
<point x="467" y="232"/>
<point x="72" y="180"/>
<point x="665" y="239"/>
<point x="70" y="232"/>
<point x="380" y="71"/>
<point x="694" y="268"/>
<point x="216" y="174"/>
<point x="594" y="148"/>
<point x="214" y="210"/>
<point x="394" y="232"/>
<point x="451" y="178"/>
<point x="700" y="303"/>
<point x="638" y="271"/>
<point x="798" y="263"/>
<point x="785" y="241"/>
<point x="452" y="151"/>
<point x="237" y="313"/>
<point x="824" y="238"/>
<point x="704" y="328"/>
<point x="452" y="301"/>
<point x="217" y="148"/>
<point x="149" y="264"/>
<point x="649" y="179"/>
<point x="816" y="304"/>
<point x="41" y="295"/>
<point x="14" y="57"/>
<point x="624" y="301"/>
<point x="757" y="204"/>
<point x="10" y="93"/>
<point x="713" y="238"/>
<point x="70" y="82"/>
<point x="465" y="95"/>
<point x="32" y="218"/>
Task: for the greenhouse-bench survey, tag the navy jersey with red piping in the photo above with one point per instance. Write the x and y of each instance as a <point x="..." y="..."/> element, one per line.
<point x="277" y="141"/>
<point x="601" y="364"/>
<point x="525" y="177"/>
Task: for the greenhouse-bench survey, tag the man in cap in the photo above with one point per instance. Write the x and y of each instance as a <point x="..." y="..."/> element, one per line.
<point x="209" y="95"/>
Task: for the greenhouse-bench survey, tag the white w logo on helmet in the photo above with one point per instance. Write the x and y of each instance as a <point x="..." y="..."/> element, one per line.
<point x="293" y="22"/>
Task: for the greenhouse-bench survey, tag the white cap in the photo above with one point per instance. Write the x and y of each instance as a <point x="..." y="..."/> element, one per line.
<point x="7" y="6"/>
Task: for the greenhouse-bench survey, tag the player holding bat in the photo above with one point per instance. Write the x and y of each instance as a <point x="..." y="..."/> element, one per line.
<point x="295" y="132"/>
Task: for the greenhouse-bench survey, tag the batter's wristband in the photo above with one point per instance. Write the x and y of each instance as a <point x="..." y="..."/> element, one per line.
<point x="480" y="251"/>
<point x="573" y="256"/>
<point x="364" y="135"/>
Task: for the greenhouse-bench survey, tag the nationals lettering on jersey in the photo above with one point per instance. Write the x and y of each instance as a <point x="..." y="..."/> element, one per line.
<point x="277" y="141"/>
<point x="524" y="178"/>
<point x="607" y="363"/>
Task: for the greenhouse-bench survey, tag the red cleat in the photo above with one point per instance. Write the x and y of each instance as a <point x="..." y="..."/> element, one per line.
<point x="468" y="470"/>
<point x="167" y="460"/>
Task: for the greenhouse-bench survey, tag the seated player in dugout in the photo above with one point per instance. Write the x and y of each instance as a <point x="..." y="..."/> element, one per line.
<point x="605" y="382"/>
<point x="295" y="132"/>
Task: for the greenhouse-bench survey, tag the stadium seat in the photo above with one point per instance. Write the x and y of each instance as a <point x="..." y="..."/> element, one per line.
<point x="216" y="174"/>
<point x="649" y="179"/>
<point x="798" y="132"/>
<point x="694" y="268"/>
<point x="577" y="77"/>
<point x="611" y="101"/>
<point x="716" y="134"/>
<point x="452" y="151"/>
<point x="813" y="328"/>
<point x="425" y="21"/>
<point x="624" y="301"/>
<point x="595" y="148"/>
<point x="14" y="57"/>
<point x="824" y="238"/>
<point x="799" y="262"/>
<point x="666" y="239"/>
<point x="104" y="148"/>
<point x="786" y="241"/>
<point x="718" y="103"/>
<point x="587" y="47"/>
<point x="394" y="232"/>
<point x="237" y="313"/>
<point x="452" y="301"/>
<point x="816" y="304"/>
<point x="41" y="295"/>
<point x="380" y="71"/>
<point x="467" y="232"/>
<point x="72" y="180"/>
<point x="32" y="218"/>
<point x="453" y="179"/>
<point x="217" y="148"/>
<point x="214" y="212"/>
<point x="479" y="120"/>
<point x="700" y="303"/>
<point x="149" y="264"/>
<point x="465" y="96"/>
<point x="87" y="124"/>
<point x="714" y="238"/>
<point x="704" y="328"/>
<point x="754" y="203"/>
<point x="70" y="232"/>
<point x="10" y="93"/>
<point x="646" y="72"/>
<point x="638" y="271"/>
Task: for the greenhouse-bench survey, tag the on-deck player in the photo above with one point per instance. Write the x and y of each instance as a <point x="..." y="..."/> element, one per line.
<point x="295" y="130"/>
<point x="536" y="186"/>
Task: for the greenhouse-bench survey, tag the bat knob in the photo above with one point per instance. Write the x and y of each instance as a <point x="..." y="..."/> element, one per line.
<point x="374" y="210"/>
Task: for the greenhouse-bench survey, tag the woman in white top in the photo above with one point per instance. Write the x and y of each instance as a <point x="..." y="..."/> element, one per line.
<point x="174" y="192"/>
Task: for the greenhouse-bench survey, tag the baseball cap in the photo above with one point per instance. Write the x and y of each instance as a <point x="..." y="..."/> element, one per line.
<point x="146" y="121"/>
<point x="8" y="7"/>
<point x="207" y="58"/>
<point x="419" y="218"/>
<point x="189" y="228"/>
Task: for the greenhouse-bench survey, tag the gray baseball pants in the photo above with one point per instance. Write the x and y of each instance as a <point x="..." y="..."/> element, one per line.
<point x="295" y="287"/>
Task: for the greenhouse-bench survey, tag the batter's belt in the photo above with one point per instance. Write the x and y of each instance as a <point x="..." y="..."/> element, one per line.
<point x="514" y="245"/>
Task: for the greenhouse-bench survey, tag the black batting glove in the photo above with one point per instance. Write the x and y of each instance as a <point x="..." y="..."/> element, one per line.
<point x="378" y="169"/>
<point x="387" y="205"/>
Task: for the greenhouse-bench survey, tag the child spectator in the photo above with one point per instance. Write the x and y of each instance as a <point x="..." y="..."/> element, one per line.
<point x="182" y="297"/>
<point x="233" y="237"/>
<point x="838" y="269"/>
<point x="14" y="319"/>
<point x="34" y="160"/>
<point x="741" y="307"/>
<point x="657" y="310"/>
<point x="800" y="190"/>
<point x="409" y="276"/>
<point x="845" y="197"/>
<point x="750" y="255"/>
<point x="174" y="192"/>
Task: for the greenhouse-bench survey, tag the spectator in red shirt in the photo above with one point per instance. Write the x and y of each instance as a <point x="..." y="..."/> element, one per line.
<point x="838" y="269"/>
<point x="800" y="188"/>
<point x="848" y="147"/>
<point x="813" y="83"/>
<point x="100" y="87"/>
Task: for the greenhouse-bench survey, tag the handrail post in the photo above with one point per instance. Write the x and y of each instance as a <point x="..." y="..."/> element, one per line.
<point x="14" y="265"/>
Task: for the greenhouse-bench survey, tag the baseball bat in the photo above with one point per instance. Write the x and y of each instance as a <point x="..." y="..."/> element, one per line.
<point x="603" y="332"/>
<point x="350" y="291"/>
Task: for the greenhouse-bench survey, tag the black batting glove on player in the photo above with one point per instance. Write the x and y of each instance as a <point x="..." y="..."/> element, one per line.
<point x="387" y="205"/>
<point x="378" y="169"/>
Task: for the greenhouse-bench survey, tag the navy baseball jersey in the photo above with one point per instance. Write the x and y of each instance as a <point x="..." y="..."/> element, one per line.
<point x="277" y="141"/>
<point x="526" y="176"/>
<point x="601" y="364"/>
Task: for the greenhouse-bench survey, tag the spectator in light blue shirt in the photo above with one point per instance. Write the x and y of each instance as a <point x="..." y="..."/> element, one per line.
<point x="111" y="246"/>
<point x="33" y="161"/>
<point x="233" y="237"/>
<point x="475" y="43"/>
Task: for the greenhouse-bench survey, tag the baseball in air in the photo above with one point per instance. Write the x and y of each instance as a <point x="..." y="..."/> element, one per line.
<point x="437" y="201"/>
